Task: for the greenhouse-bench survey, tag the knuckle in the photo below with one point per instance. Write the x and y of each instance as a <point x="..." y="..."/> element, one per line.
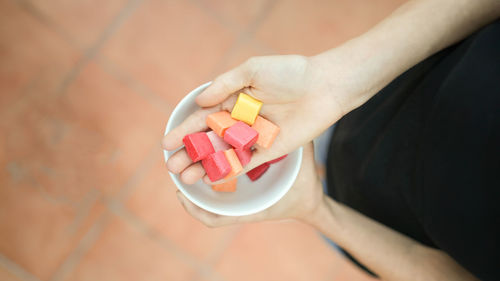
<point x="224" y="83"/>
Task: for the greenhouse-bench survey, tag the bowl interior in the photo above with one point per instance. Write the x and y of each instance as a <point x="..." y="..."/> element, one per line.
<point x="250" y="197"/>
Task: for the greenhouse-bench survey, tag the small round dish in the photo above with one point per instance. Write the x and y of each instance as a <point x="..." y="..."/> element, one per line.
<point x="250" y="197"/>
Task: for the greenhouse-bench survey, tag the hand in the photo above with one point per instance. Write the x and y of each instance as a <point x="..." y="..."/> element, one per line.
<point x="294" y="98"/>
<point x="301" y="201"/>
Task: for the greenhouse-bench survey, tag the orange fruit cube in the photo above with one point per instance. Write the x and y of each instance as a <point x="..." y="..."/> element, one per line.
<point x="219" y="122"/>
<point x="229" y="186"/>
<point x="267" y="130"/>
<point x="234" y="162"/>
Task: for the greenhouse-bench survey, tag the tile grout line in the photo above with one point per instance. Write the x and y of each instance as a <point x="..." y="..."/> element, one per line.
<point x="89" y="55"/>
<point x="218" y="253"/>
<point x="133" y="181"/>
<point x="83" y="208"/>
<point x="117" y="208"/>
<point x="85" y="244"/>
<point x="91" y="52"/>
<point x="115" y="205"/>
<point x="92" y="235"/>
<point x="38" y="15"/>
<point x="228" y="24"/>
<point x="264" y="13"/>
<point x="245" y="35"/>
<point x="218" y="17"/>
<point x="107" y="65"/>
<point x="16" y="269"/>
<point x="25" y="92"/>
<point x="139" y="88"/>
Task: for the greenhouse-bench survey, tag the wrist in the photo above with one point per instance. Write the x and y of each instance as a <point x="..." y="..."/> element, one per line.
<point x="323" y="214"/>
<point x="348" y="75"/>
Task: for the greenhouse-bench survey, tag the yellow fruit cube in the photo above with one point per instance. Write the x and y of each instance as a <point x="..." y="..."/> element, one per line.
<point x="246" y="109"/>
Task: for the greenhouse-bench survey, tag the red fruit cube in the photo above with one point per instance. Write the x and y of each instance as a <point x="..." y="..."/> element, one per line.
<point x="277" y="159"/>
<point x="217" y="142"/>
<point x="198" y="146"/>
<point x="216" y="166"/>
<point x="244" y="156"/>
<point x="258" y="171"/>
<point x="241" y="136"/>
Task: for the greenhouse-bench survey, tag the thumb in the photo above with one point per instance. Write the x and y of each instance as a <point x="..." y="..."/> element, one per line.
<point x="225" y="85"/>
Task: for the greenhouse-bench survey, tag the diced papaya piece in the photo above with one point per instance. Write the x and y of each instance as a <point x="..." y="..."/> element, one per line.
<point x="267" y="130"/>
<point x="229" y="186"/>
<point x="219" y="122"/>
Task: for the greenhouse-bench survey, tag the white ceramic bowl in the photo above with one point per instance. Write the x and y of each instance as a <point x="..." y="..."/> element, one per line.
<point x="250" y="197"/>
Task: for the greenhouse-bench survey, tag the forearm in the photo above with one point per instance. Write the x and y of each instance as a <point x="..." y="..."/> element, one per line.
<point x="412" y="33"/>
<point x="388" y="253"/>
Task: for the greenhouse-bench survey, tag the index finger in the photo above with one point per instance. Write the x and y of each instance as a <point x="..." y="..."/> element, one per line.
<point x="194" y="123"/>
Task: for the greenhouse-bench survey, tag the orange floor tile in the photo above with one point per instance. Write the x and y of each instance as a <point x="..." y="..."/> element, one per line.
<point x="87" y="87"/>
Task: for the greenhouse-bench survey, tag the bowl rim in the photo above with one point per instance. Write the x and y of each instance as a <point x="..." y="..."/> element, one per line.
<point x="200" y="204"/>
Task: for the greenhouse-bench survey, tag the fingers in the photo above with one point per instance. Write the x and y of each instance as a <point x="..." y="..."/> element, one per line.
<point x="225" y="85"/>
<point x="179" y="161"/>
<point x="192" y="173"/>
<point x="194" y="123"/>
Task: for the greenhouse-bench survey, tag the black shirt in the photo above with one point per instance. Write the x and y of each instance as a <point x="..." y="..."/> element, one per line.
<point x="423" y="155"/>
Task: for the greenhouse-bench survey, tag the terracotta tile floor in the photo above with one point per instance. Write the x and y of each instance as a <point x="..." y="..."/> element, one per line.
<point x="86" y="89"/>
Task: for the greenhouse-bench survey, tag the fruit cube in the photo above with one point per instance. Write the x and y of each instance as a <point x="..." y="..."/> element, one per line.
<point x="277" y="159"/>
<point x="258" y="171"/>
<point x="198" y="146"/>
<point x="219" y="122"/>
<point x="217" y="142"/>
<point x="241" y="136"/>
<point x="244" y="155"/>
<point x="229" y="186"/>
<point x="216" y="166"/>
<point x="267" y="130"/>
<point x="246" y="109"/>
<point x="234" y="162"/>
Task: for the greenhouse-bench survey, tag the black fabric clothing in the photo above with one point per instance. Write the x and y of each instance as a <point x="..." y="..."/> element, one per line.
<point x="423" y="155"/>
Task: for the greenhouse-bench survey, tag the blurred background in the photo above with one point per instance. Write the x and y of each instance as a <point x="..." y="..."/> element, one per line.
<point x="86" y="88"/>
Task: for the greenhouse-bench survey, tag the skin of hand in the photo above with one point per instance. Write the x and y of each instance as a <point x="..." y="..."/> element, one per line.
<point x="294" y="98"/>
<point x="300" y="202"/>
